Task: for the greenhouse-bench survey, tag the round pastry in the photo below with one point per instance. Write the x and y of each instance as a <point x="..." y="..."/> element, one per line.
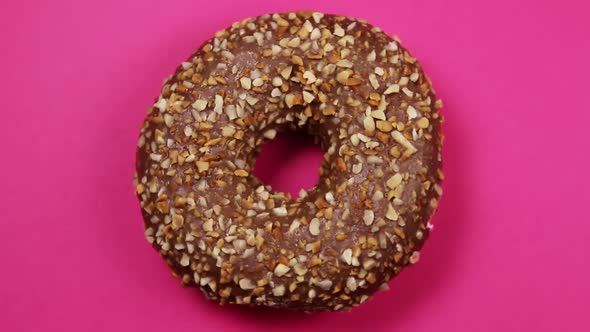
<point x="376" y="117"/>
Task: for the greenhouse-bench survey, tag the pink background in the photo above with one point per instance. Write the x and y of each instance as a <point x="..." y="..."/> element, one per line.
<point x="510" y="249"/>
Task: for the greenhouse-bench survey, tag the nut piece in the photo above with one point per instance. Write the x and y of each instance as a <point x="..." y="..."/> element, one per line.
<point x="345" y="63"/>
<point x="185" y="260"/>
<point x="347" y="256"/>
<point x="325" y="284"/>
<point x="315" y="34"/>
<point x="208" y="225"/>
<point x="200" y="104"/>
<point x="343" y="76"/>
<point x="290" y="100"/>
<point x="403" y="141"/>
<point x="202" y="166"/>
<point x="168" y="120"/>
<point x="373" y="81"/>
<point x="281" y="270"/>
<point x="278" y="290"/>
<point x="338" y="31"/>
<point x="423" y="123"/>
<point x="241" y="173"/>
<point x="300" y="269"/>
<point x="351" y="284"/>
<point x="394" y="181"/>
<point x="368" y="217"/>
<point x="394" y="88"/>
<point x="308" y="97"/>
<point x="218" y="104"/>
<point x="314" y="226"/>
<point x="246" y="284"/>
<point x="309" y="76"/>
<point x="277" y="81"/>
<point x="369" y="264"/>
<point x="177" y="221"/>
<point x="369" y="123"/>
<point x="270" y="134"/>
<point x="286" y="72"/>
<point x="384" y="126"/>
<point x="357" y="168"/>
<point x="258" y="82"/>
<point x="246" y="83"/>
<point x="280" y="211"/>
<point x="412" y="113"/>
<point x="391" y="213"/>
<point x="294" y="225"/>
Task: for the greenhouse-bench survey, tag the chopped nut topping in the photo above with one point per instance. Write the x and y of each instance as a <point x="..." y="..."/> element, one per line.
<point x="338" y="31"/>
<point x="280" y="211"/>
<point x="202" y="166"/>
<point x="368" y="217"/>
<point x="278" y="290"/>
<point x="394" y="181"/>
<point x="185" y="260"/>
<point x="369" y="123"/>
<point x="270" y="134"/>
<point x="314" y="226"/>
<point x="412" y="113"/>
<point x="347" y="256"/>
<point x="300" y="269"/>
<point x="423" y="123"/>
<point x="208" y="225"/>
<point x="241" y="172"/>
<point x="308" y="97"/>
<point x="403" y="141"/>
<point x="373" y="81"/>
<point x="384" y="126"/>
<point x="281" y="270"/>
<point x="394" y="88"/>
<point x="315" y="34"/>
<point x="370" y="106"/>
<point x="246" y="83"/>
<point x="247" y="284"/>
<point x="391" y="213"/>
<point x="351" y="284"/>
<point x="286" y="72"/>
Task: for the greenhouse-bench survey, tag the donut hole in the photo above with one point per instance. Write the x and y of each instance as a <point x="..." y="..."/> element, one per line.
<point x="289" y="162"/>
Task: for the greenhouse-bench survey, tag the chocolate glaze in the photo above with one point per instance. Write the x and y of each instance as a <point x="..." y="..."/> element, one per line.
<point x="376" y="116"/>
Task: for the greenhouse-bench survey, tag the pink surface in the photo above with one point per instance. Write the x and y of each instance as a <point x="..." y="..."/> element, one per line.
<point x="510" y="248"/>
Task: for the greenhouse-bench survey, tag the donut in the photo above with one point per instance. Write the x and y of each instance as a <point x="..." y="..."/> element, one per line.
<point x="377" y="119"/>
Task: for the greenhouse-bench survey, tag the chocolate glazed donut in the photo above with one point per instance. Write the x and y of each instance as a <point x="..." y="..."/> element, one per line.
<point x="376" y="116"/>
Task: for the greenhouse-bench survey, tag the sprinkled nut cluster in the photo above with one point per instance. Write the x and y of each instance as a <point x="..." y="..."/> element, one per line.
<point x="374" y="113"/>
